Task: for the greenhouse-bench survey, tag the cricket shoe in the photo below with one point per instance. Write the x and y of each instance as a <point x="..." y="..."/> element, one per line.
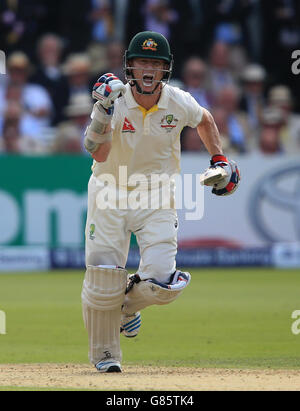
<point x="109" y="365"/>
<point x="131" y="324"/>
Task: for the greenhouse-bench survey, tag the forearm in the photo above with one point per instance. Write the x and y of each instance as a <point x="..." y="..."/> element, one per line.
<point x="98" y="135"/>
<point x="209" y="134"/>
<point x="99" y="151"/>
<point x="99" y="132"/>
<point x="102" y="152"/>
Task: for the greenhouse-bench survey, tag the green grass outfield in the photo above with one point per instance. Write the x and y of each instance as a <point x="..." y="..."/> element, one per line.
<point x="225" y="318"/>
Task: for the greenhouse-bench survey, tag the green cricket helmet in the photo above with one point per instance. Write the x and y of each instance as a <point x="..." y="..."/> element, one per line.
<point x="148" y="44"/>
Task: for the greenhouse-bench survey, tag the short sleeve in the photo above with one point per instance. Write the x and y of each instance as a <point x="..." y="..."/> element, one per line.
<point x="194" y="111"/>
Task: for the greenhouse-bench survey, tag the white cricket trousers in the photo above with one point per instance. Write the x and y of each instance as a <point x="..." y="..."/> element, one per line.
<point x="108" y="235"/>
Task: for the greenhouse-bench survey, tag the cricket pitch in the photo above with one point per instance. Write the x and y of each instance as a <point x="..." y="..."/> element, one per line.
<point x="146" y="378"/>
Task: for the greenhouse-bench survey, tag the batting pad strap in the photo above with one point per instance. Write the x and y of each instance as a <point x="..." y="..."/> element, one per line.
<point x="104" y="288"/>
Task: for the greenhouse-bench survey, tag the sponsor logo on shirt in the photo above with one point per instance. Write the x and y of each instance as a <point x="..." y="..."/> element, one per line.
<point x="127" y="126"/>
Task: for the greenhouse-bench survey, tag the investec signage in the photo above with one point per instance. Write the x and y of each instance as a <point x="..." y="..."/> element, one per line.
<point x="43" y="200"/>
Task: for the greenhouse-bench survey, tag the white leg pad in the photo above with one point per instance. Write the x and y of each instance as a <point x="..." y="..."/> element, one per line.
<point x="146" y="293"/>
<point x="103" y="294"/>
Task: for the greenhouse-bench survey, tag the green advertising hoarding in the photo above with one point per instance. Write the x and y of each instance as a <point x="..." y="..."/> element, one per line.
<point x="43" y="200"/>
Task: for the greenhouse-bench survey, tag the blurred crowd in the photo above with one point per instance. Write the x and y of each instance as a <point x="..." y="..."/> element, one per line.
<point x="233" y="56"/>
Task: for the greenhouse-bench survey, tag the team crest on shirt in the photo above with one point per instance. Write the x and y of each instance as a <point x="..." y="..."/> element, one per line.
<point x="149" y="45"/>
<point x="168" y="122"/>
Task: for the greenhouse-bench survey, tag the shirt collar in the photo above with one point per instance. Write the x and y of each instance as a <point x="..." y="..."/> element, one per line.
<point x="130" y="101"/>
<point x="162" y="102"/>
<point x="164" y="98"/>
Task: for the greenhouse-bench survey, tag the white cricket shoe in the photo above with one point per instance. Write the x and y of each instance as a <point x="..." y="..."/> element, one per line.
<point x="131" y="324"/>
<point x="109" y="365"/>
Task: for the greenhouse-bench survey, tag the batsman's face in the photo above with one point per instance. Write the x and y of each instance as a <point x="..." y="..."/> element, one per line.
<point x="148" y="72"/>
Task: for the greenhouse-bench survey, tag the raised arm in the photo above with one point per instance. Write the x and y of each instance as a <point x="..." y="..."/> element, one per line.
<point x="98" y="135"/>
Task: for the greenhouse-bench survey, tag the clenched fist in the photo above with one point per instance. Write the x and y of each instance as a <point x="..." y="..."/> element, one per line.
<point x="107" y="89"/>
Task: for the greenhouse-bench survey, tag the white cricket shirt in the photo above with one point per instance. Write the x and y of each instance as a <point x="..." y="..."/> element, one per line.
<point x="148" y="142"/>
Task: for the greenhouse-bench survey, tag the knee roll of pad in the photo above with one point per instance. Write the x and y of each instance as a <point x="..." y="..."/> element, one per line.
<point x="104" y="288"/>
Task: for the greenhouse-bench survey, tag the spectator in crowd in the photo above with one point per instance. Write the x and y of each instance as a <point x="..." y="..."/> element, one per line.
<point x="236" y="123"/>
<point x="219" y="73"/>
<point x="114" y="55"/>
<point x="77" y="69"/>
<point x="10" y="95"/>
<point x="73" y="23"/>
<point x="280" y="96"/>
<point x="236" y="20"/>
<point x="49" y="73"/>
<point x="34" y="99"/>
<point x="190" y="34"/>
<point x="132" y="11"/>
<point x="227" y="120"/>
<point x="270" y="135"/>
<point x="102" y="20"/>
<point x="190" y="140"/>
<point x="221" y="120"/>
<point x="13" y="92"/>
<point x="227" y="31"/>
<point x="281" y="33"/>
<point x="10" y="142"/>
<point x="281" y="37"/>
<point x="160" y="16"/>
<point x="13" y="140"/>
<point x="252" y="99"/>
<point x="70" y="133"/>
<point x="21" y="21"/>
<point x="194" y="76"/>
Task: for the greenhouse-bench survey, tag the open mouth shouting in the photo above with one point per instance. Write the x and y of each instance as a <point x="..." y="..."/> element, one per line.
<point x="148" y="80"/>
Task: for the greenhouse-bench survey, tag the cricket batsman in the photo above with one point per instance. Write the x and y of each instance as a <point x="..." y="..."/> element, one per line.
<point x="135" y="131"/>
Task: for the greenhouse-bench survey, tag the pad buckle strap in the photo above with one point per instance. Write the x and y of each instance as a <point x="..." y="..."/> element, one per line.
<point x="134" y="279"/>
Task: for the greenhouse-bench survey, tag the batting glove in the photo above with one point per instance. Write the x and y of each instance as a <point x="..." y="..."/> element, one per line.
<point x="223" y="175"/>
<point x="107" y="89"/>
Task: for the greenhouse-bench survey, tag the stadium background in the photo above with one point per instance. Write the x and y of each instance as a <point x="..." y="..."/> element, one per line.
<point x="234" y="57"/>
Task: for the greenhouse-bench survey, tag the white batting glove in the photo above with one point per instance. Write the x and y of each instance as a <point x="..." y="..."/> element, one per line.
<point x="223" y="175"/>
<point x="107" y="89"/>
